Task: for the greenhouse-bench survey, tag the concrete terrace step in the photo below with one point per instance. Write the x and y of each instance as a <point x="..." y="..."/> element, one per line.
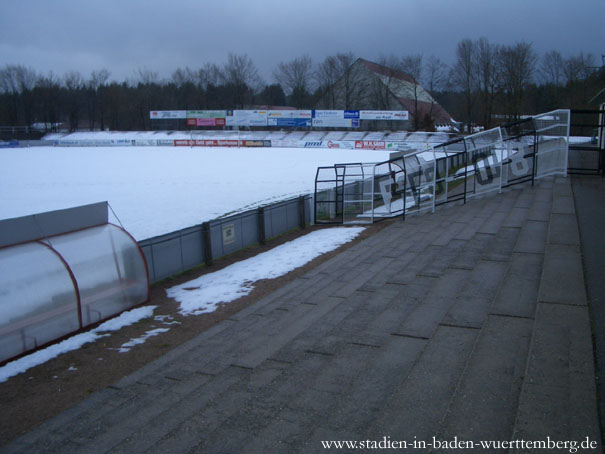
<point x="447" y="324"/>
<point x="558" y="393"/>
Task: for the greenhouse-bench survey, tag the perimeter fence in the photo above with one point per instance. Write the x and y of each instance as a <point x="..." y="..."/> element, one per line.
<point x="179" y="251"/>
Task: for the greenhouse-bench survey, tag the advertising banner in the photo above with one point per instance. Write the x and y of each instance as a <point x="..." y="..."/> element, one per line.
<point x="206" y="113"/>
<point x="276" y="114"/>
<point x="400" y="115"/>
<point x="168" y="114"/>
<point x="329" y="114"/>
<point x="256" y="143"/>
<point x="285" y="143"/>
<point x="246" y="118"/>
<point x="370" y="144"/>
<point x="289" y="122"/>
<point x="219" y="143"/>
<point x="347" y="144"/>
<point x="312" y="144"/>
<point x="351" y="114"/>
<point x="206" y="143"/>
<point x="207" y="121"/>
<point x="335" y="123"/>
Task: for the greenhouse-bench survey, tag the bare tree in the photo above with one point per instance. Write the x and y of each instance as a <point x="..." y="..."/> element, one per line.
<point x="488" y="77"/>
<point x="145" y="76"/>
<point x="17" y="82"/>
<point x="577" y="69"/>
<point x="241" y="70"/>
<point x="98" y="80"/>
<point x="413" y="66"/>
<point x="210" y="74"/>
<point x="329" y="73"/>
<point x="463" y="76"/>
<point x="184" y="76"/>
<point x="241" y="75"/>
<point x="296" y="76"/>
<point x="74" y="82"/>
<point x="48" y="91"/>
<point x="435" y="78"/>
<point x="552" y="68"/>
<point x="518" y="65"/>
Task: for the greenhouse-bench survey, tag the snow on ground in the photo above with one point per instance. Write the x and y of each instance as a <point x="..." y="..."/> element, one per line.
<point x="74" y="342"/>
<point x="156" y="190"/>
<point x="205" y="293"/>
<point x="200" y="295"/>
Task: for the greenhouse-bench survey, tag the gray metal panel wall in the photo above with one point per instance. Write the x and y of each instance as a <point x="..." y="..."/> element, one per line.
<point x="179" y="251"/>
<point x="173" y="253"/>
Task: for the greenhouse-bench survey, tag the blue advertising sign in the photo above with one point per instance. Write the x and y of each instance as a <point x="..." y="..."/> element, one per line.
<point x="289" y="122"/>
<point x="352" y="114"/>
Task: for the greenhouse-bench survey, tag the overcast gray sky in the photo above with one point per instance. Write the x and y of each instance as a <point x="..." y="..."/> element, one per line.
<point x="125" y="35"/>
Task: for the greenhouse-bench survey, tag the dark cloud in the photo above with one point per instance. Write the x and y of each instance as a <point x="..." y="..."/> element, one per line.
<point x="125" y="35"/>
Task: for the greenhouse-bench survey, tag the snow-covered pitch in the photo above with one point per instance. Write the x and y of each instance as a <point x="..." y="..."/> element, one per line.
<point x="156" y="190"/>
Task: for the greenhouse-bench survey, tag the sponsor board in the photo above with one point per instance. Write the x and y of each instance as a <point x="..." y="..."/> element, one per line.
<point x="205" y="143"/>
<point x="183" y="143"/>
<point x="370" y="144"/>
<point x="400" y="115"/>
<point x="246" y="118"/>
<point x="335" y="123"/>
<point x="206" y="122"/>
<point x="221" y="143"/>
<point x="353" y="114"/>
<point x="206" y="113"/>
<point x="312" y="144"/>
<point x="289" y="122"/>
<point x="256" y="143"/>
<point x="329" y="114"/>
<point x="10" y="144"/>
<point x="167" y="114"/>
<point x="347" y="144"/>
<point x="290" y="114"/>
<point x="285" y="143"/>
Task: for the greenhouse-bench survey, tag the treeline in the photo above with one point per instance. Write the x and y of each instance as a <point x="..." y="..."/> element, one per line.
<point x="486" y="82"/>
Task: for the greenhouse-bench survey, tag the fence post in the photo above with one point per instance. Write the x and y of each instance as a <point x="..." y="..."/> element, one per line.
<point x="301" y="212"/>
<point x="261" y="225"/>
<point x="207" y="243"/>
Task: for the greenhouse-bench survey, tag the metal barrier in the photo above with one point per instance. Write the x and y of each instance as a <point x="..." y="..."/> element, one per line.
<point x="588" y="158"/>
<point x="453" y="171"/>
<point x="176" y="252"/>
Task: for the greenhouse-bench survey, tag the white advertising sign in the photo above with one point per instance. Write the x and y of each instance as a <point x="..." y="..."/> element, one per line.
<point x="333" y="122"/>
<point x="167" y="114"/>
<point x="290" y="114"/>
<point x="329" y="114"/>
<point x="247" y="118"/>
<point x="400" y="115"/>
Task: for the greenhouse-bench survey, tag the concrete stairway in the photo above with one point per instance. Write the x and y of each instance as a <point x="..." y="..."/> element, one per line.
<point x="468" y="324"/>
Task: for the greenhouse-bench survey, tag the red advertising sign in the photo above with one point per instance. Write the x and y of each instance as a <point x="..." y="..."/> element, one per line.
<point x="370" y="144"/>
<point x="205" y="143"/>
<point x="220" y="143"/>
<point x="191" y="122"/>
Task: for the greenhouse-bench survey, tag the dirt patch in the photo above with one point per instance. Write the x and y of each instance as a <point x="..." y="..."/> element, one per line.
<point x="42" y="392"/>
